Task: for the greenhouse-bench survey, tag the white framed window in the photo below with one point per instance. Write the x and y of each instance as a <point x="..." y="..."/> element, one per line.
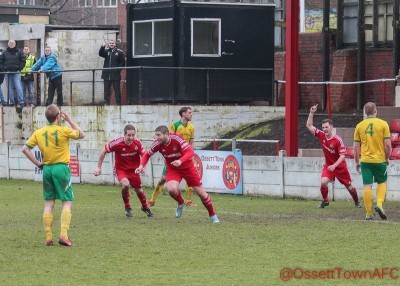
<point x="206" y="37"/>
<point x="152" y="38"/>
<point x="107" y="3"/>
<point x="383" y="30"/>
<point x="26" y="2"/>
<point x="384" y="14"/>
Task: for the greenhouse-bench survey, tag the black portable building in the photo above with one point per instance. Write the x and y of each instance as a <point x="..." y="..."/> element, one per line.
<point x="200" y="52"/>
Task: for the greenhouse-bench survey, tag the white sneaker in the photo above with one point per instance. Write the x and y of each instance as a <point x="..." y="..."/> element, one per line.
<point x="179" y="210"/>
<point x="214" y="219"/>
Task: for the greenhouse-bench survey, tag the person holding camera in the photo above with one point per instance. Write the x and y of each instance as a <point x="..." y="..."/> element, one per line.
<point x="113" y="58"/>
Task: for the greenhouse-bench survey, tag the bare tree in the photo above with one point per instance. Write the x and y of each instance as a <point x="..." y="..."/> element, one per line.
<point x="69" y="12"/>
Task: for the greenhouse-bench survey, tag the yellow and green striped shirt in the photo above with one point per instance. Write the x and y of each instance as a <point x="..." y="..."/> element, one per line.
<point x="187" y="132"/>
<point x="53" y="142"/>
<point x="371" y="133"/>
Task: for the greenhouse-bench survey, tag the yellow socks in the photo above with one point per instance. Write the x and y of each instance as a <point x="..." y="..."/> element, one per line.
<point x="188" y="192"/>
<point x="380" y="194"/>
<point x="368" y="200"/>
<point x="48" y="223"/>
<point x="157" y="191"/>
<point x="65" y="222"/>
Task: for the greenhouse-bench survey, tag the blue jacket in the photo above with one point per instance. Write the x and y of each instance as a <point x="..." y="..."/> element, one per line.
<point x="48" y="63"/>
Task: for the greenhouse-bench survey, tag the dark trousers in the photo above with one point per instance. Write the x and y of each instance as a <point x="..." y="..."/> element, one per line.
<point x="55" y="84"/>
<point x="107" y="91"/>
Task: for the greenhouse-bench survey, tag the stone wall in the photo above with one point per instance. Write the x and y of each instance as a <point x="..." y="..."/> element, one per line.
<point x="102" y="123"/>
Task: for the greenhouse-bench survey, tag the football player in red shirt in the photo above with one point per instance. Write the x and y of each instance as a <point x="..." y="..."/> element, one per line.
<point x="178" y="160"/>
<point x="128" y="150"/>
<point x="335" y="165"/>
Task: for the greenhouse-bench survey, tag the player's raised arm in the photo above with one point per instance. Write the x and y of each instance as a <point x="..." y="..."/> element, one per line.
<point x="74" y="126"/>
<point x="310" y="120"/>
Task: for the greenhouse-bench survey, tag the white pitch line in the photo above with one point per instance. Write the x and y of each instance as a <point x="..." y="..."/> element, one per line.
<point x="284" y="216"/>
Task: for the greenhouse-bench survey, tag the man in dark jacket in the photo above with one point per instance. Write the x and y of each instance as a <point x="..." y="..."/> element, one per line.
<point x="113" y="58"/>
<point x="13" y="60"/>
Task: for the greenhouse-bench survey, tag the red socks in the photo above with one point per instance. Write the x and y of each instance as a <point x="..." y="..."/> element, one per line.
<point x="324" y="193"/>
<point x="142" y="199"/>
<point x="353" y="194"/>
<point x="177" y="197"/>
<point x="125" y="196"/>
<point x="208" y="204"/>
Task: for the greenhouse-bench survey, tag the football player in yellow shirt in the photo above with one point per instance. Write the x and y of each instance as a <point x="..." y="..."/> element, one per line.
<point x="184" y="128"/>
<point x="53" y="142"/>
<point x="372" y="141"/>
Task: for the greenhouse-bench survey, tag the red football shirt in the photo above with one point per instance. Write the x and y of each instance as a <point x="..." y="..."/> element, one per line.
<point x="332" y="148"/>
<point x="176" y="149"/>
<point x="127" y="157"/>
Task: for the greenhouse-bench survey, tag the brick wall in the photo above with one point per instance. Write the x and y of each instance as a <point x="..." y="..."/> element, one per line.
<point x="122" y="16"/>
<point x="343" y="68"/>
<point x="379" y="64"/>
<point x="310" y="68"/>
<point x="344" y="97"/>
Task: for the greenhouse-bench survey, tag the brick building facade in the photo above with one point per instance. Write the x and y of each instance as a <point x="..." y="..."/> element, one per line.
<point x="343" y="68"/>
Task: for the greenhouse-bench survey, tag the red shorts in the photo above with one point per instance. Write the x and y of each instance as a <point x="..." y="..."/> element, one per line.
<point x="134" y="179"/>
<point x="341" y="173"/>
<point x="189" y="173"/>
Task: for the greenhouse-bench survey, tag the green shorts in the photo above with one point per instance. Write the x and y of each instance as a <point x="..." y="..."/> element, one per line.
<point x="164" y="170"/>
<point x="373" y="172"/>
<point x="57" y="183"/>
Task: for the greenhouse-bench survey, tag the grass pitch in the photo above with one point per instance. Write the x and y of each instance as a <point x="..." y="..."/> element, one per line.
<point x="256" y="239"/>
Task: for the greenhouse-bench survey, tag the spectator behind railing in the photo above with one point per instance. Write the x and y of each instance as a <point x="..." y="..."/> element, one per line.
<point x="27" y="78"/>
<point x="113" y="57"/>
<point x="13" y="60"/>
<point x="49" y="62"/>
